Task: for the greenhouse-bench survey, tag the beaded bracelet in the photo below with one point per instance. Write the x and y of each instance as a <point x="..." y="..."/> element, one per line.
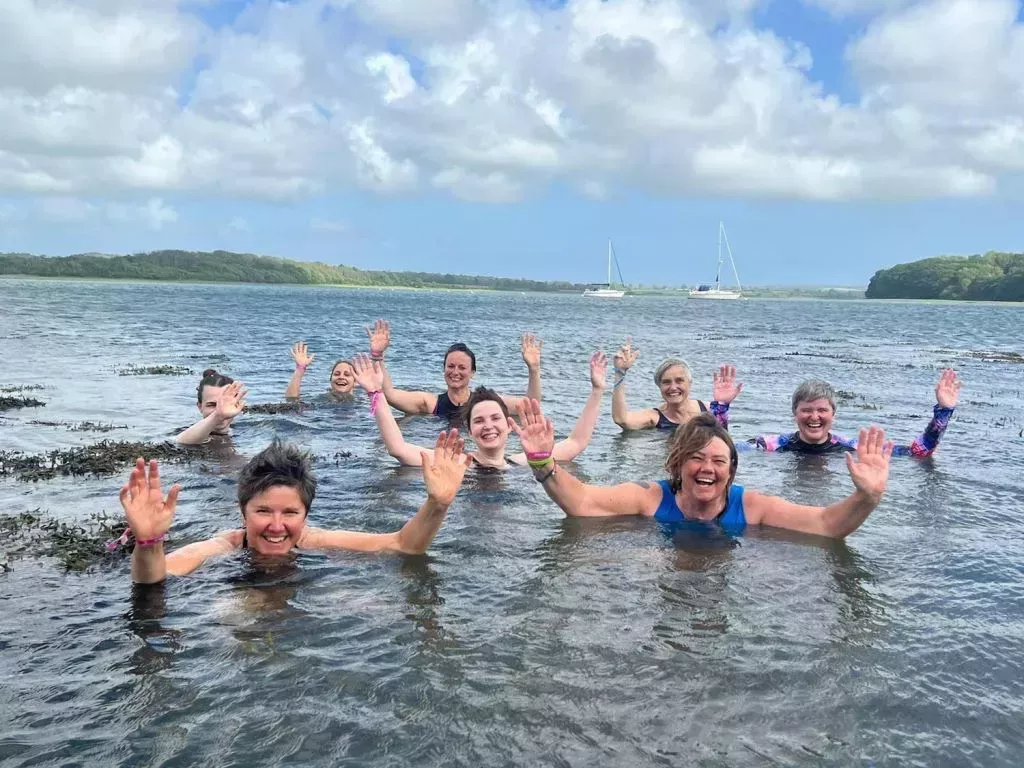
<point x="546" y="477"/>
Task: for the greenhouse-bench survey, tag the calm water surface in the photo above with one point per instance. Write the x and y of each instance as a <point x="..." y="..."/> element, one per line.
<point x="523" y="638"/>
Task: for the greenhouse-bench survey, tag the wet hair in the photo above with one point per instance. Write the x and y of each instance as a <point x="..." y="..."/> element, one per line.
<point x="460" y="347"/>
<point x="211" y="379"/>
<point x="669" y="363"/>
<point x="481" y="395"/>
<point x="339" y="362"/>
<point x="814" y="389"/>
<point x="278" y="464"/>
<point x="692" y="437"/>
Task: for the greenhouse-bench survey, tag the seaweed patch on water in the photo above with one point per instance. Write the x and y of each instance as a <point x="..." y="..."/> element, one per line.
<point x="336" y="459"/>
<point x="154" y="370"/>
<point x="996" y="356"/>
<point x="80" y="426"/>
<point x="7" y="403"/>
<point x="853" y="400"/>
<point x="21" y="388"/>
<point x="76" y="546"/>
<point x="107" y="457"/>
<point x="276" y="407"/>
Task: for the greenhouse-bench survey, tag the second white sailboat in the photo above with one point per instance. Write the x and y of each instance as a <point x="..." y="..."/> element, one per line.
<point x="605" y="290"/>
<point x="717" y="292"/>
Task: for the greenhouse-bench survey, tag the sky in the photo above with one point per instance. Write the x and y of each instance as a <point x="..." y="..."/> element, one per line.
<point x="515" y="137"/>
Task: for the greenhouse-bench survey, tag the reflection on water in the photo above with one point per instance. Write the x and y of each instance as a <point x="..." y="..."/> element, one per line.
<point x="523" y="638"/>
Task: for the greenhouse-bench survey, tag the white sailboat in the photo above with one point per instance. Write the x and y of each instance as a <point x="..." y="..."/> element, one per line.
<point x="717" y="292"/>
<point x="605" y="290"/>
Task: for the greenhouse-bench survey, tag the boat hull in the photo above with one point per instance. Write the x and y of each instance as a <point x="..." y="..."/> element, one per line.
<point x="713" y="294"/>
<point x="604" y="293"/>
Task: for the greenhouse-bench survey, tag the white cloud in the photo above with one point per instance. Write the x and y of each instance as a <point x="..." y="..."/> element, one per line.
<point x="491" y="101"/>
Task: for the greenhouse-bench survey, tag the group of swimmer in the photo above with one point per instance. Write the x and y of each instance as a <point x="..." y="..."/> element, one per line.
<point x="277" y="487"/>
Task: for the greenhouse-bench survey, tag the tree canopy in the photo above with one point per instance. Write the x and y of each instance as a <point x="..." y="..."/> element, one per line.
<point x="991" y="277"/>
<point x="225" y="266"/>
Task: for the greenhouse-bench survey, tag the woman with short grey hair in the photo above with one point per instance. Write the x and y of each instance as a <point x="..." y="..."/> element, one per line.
<point x="674" y="379"/>
<point x="814" y="409"/>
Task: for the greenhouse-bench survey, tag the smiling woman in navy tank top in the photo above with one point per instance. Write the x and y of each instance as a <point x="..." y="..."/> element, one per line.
<point x="459" y="369"/>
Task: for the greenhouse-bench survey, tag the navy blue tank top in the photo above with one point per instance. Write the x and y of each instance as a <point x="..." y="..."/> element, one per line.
<point x="732" y="518"/>
<point x="445" y="408"/>
<point x="664" y="422"/>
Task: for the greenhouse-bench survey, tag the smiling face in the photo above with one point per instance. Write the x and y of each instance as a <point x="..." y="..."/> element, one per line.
<point x="343" y="378"/>
<point x="708" y="472"/>
<point x="274" y="520"/>
<point x="814" y="420"/>
<point x="458" y="370"/>
<point x="675" y="385"/>
<point x="488" y="425"/>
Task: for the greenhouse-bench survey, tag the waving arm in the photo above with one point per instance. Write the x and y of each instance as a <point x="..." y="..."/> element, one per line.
<point x="574" y="497"/>
<point x="579" y="438"/>
<point x="303" y="359"/>
<point x="230" y="404"/>
<point x="628" y="420"/>
<point x="443" y="471"/>
<point x="869" y="473"/>
<point x="370" y="376"/>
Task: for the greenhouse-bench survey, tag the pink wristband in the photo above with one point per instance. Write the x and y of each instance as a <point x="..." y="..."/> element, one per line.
<point x="300" y="367"/>
<point x="539" y="456"/>
<point x="375" y="398"/>
<point x="124" y="538"/>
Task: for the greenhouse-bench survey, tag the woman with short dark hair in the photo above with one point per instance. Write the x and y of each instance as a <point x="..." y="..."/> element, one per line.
<point x="275" y="493"/>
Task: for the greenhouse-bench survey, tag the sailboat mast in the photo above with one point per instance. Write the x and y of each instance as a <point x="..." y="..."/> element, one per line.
<point x="718" y="272"/>
<point x="609" y="262"/>
<point x="731" y="260"/>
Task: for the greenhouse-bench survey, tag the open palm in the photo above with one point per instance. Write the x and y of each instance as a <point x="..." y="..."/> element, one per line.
<point x="947" y="391"/>
<point x="300" y="354"/>
<point x="725" y="387"/>
<point x="231" y="401"/>
<point x="598" y="369"/>
<point x="626" y="356"/>
<point x="536" y="433"/>
<point x="443" y="473"/>
<point x="380" y="337"/>
<point x="369" y="374"/>
<point x="870" y="471"/>
<point x="531" y="349"/>
<point x="149" y="513"/>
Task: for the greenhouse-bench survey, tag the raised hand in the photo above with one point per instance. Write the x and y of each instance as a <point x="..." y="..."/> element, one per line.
<point x="725" y="388"/>
<point x="531" y="348"/>
<point x="149" y="513"/>
<point x="380" y="337"/>
<point x="300" y="354"/>
<point x="947" y="391"/>
<point x="232" y="401"/>
<point x="369" y="374"/>
<point x="537" y="434"/>
<point x="626" y="356"/>
<point x="598" y="368"/>
<point x="443" y="473"/>
<point x="871" y="469"/>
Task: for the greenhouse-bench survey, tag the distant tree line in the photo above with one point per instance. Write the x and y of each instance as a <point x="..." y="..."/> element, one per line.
<point x="992" y="277"/>
<point x="228" y="267"/>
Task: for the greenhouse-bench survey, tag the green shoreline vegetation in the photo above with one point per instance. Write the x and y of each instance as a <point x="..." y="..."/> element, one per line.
<point x="229" y="267"/>
<point x="989" y="277"/>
